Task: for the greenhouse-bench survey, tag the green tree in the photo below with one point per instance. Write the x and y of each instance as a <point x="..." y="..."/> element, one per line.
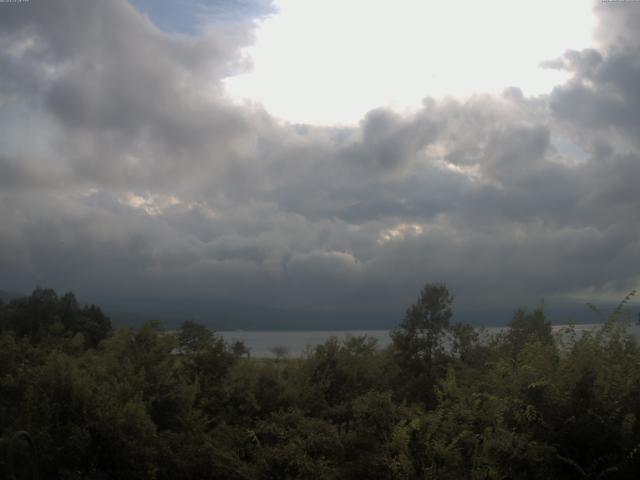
<point x="465" y="341"/>
<point x="240" y="349"/>
<point x="419" y="346"/>
<point x="526" y="327"/>
<point x="45" y="316"/>
<point x="194" y="337"/>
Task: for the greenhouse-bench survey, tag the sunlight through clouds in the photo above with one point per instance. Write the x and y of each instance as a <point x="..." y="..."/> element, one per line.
<point x="476" y="137"/>
<point x="362" y="55"/>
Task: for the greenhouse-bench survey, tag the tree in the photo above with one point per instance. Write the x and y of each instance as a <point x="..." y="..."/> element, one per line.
<point x="525" y="327"/>
<point x="280" y="352"/>
<point x="465" y="339"/>
<point x="94" y="325"/>
<point x="207" y="361"/>
<point x="240" y="349"/>
<point x="194" y="336"/>
<point x="418" y="343"/>
<point x="43" y="315"/>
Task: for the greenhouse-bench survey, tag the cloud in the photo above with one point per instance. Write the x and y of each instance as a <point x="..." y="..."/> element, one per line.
<point x="137" y="176"/>
<point x="602" y="97"/>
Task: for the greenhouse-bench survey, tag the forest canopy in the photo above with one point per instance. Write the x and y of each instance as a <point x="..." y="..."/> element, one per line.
<point x="444" y="400"/>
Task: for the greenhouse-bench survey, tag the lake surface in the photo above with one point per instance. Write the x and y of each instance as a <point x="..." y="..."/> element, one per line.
<point x="260" y="343"/>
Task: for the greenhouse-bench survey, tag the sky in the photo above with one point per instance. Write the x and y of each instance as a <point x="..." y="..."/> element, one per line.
<point x="321" y="155"/>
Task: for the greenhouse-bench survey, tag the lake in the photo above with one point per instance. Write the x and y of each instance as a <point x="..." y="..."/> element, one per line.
<point x="260" y="343"/>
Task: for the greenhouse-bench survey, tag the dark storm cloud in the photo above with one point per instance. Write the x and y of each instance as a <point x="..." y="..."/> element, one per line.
<point x="16" y="173"/>
<point x="603" y="95"/>
<point x="128" y="99"/>
<point x="148" y="182"/>
<point x="389" y="142"/>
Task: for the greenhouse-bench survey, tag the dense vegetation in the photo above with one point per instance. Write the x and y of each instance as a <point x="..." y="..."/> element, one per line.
<point x="440" y="402"/>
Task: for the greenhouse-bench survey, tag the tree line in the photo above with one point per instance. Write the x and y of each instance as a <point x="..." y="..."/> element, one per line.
<point x="442" y="401"/>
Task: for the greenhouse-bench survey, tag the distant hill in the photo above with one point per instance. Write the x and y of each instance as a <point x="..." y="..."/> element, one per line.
<point x="223" y="315"/>
<point x="8" y="296"/>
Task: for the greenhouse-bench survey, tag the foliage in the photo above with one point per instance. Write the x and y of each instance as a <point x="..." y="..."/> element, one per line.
<point x="442" y="402"/>
<point x="418" y="343"/>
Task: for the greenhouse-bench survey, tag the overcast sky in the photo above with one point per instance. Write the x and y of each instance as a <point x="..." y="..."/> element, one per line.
<point x="321" y="154"/>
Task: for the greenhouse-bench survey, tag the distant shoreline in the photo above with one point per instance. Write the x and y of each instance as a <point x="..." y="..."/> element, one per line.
<point x="296" y="342"/>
